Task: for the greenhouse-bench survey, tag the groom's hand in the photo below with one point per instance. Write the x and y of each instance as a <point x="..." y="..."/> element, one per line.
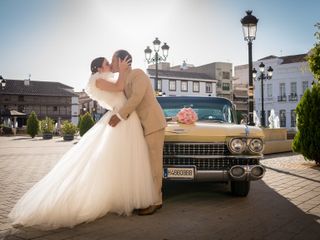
<point x="114" y="120"/>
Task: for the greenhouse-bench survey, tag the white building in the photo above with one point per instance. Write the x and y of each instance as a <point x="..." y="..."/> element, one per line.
<point x="220" y="71"/>
<point x="291" y="77"/>
<point x="183" y="83"/>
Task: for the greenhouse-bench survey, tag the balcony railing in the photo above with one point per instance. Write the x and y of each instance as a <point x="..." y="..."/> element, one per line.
<point x="282" y="98"/>
<point x="293" y="97"/>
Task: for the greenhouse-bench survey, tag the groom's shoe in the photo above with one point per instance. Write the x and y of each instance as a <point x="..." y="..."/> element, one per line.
<point x="149" y="210"/>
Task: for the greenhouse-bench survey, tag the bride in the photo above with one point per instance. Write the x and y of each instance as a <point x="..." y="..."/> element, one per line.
<point x="108" y="170"/>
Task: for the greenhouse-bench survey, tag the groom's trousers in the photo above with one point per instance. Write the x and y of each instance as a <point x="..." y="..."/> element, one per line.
<point x="155" y="143"/>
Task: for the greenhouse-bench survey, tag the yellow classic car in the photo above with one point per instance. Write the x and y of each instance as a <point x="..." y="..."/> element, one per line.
<point x="214" y="148"/>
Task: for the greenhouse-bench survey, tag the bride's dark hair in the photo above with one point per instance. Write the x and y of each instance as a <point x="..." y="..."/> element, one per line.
<point x="96" y="63"/>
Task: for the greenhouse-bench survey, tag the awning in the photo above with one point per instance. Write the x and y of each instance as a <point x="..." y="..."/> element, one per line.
<point x="15" y="113"/>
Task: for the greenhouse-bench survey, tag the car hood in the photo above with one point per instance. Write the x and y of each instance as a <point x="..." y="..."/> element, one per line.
<point x="209" y="132"/>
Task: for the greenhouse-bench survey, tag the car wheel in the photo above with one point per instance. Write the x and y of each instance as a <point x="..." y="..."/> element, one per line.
<point x="240" y="188"/>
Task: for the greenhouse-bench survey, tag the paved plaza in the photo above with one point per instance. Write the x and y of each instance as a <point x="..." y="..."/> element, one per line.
<point x="284" y="205"/>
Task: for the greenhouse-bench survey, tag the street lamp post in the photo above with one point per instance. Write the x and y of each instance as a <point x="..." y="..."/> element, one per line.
<point x="156" y="58"/>
<point x="249" y="27"/>
<point x="262" y="77"/>
<point x="3" y="85"/>
<point x="3" y="82"/>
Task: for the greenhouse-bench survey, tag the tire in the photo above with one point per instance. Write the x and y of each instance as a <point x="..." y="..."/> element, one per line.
<point x="240" y="188"/>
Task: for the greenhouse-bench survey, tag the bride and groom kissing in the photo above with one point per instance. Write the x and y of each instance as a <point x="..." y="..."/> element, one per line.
<point x="116" y="167"/>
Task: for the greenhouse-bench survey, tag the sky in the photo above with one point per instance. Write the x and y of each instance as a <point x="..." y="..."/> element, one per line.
<point x="56" y="40"/>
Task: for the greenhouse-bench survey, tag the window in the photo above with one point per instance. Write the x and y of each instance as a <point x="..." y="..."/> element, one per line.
<point x="226" y="75"/>
<point x="293" y="118"/>
<point x="184" y="86"/>
<point x="159" y="84"/>
<point x="208" y="87"/>
<point x="282" y="118"/>
<point x="55" y="108"/>
<point x="196" y="86"/>
<point x="21" y="98"/>
<point x="172" y="85"/>
<point x="225" y="86"/>
<point x="293" y="94"/>
<point x="269" y="90"/>
<point x="304" y="86"/>
<point x="282" y="89"/>
<point x="21" y="108"/>
<point x="293" y="88"/>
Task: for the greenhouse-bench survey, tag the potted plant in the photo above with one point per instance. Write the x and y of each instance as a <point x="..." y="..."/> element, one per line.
<point x="68" y="130"/>
<point x="46" y="127"/>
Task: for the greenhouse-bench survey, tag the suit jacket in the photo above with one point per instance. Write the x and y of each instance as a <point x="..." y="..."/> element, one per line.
<point x="141" y="98"/>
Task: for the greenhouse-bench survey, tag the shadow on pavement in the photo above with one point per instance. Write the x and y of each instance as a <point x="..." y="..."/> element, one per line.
<point x="284" y="154"/>
<point x="21" y="138"/>
<point x="199" y="211"/>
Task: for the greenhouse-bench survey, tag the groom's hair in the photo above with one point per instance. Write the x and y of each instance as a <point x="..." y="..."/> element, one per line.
<point x="122" y="55"/>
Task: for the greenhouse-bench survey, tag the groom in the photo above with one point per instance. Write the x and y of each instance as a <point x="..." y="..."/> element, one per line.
<point x="141" y="98"/>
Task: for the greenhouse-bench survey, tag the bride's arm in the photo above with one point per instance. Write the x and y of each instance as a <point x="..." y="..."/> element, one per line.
<point x="119" y="85"/>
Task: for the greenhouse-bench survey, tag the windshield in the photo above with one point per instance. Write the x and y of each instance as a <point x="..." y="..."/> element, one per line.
<point x="214" y="109"/>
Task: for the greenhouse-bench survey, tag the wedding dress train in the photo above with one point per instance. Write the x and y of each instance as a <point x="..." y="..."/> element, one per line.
<point x="108" y="170"/>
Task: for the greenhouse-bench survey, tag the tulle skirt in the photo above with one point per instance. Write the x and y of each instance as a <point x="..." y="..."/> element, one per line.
<point x="108" y="170"/>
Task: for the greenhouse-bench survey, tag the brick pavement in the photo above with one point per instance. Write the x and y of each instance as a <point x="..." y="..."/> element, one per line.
<point x="285" y="205"/>
<point x="296" y="179"/>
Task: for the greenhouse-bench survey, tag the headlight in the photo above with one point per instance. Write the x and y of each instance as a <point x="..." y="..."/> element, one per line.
<point x="237" y="145"/>
<point x="256" y="145"/>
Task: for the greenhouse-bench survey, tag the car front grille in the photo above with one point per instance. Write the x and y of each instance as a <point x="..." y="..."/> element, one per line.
<point x="209" y="163"/>
<point x="195" y="149"/>
<point x="194" y="154"/>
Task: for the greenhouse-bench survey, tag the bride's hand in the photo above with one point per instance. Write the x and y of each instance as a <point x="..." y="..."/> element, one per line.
<point x="124" y="64"/>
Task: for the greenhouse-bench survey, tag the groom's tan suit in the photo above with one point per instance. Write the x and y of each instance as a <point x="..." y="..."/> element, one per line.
<point x="141" y="98"/>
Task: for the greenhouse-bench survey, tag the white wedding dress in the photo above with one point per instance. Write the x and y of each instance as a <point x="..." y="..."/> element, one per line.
<point x="108" y="170"/>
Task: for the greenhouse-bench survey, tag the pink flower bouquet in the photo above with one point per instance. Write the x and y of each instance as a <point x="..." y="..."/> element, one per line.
<point x="187" y="116"/>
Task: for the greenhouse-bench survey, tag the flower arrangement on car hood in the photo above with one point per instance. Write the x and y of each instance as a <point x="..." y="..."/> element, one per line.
<point x="187" y="116"/>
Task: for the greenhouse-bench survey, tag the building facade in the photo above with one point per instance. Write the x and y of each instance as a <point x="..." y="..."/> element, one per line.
<point x="183" y="83"/>
<point x="291" y="77"/>
<point x="86" y="104"/>
<point x="220" y="71"/>
<point x="46" y="99"/>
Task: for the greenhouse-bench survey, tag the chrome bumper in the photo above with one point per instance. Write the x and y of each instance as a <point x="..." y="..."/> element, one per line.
<point x="220" y="175"/>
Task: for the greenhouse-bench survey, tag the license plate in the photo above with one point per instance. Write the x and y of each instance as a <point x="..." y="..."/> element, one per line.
<point x="179" y="173"/>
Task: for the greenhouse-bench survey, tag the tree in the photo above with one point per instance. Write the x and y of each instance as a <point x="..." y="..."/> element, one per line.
<point x="32" y="125"/>
<point x="307" y="139"/>
<point x="86" y="123"/>
<point x="314" y="55"/>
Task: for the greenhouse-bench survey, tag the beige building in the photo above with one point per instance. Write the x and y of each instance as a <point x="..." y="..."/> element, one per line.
<point x="221" y="72"/>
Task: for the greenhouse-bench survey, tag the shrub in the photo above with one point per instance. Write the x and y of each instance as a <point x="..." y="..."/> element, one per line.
<point x="32" y="125"/>
<point x="307" y="138"/>
<point x="47" y="125"/>
<point x="68" y="128"/>
<point x="86" y="123"/>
